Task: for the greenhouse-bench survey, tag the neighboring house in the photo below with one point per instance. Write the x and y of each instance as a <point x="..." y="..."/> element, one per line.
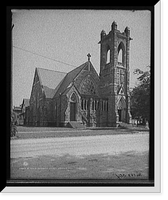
<point x="24" y="105"/>
<point x="82" y="95"/>
<point x="18" y="113"/>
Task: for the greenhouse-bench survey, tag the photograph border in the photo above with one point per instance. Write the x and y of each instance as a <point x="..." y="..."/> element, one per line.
<point x="154" y="151"/>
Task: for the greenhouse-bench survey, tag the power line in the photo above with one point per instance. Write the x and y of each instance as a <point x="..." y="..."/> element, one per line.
<point x="43" y="56"/>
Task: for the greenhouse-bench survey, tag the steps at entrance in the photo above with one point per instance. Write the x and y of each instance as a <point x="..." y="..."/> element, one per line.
<point x="75" y="124"/>
<point x="124" y="125"/>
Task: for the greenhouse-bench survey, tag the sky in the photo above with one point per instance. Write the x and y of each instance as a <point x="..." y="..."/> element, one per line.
<point x="51" y="38"/>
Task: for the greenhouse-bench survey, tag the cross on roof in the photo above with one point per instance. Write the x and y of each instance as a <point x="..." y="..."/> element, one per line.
<point x="88" y="56"/>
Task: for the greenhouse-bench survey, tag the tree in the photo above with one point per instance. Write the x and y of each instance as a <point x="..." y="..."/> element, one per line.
<point x="140" y="96"/>
<point x="13" y="124"/>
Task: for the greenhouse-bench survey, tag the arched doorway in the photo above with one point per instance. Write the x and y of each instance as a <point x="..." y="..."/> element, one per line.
<point x="122" y="110"/>
<point x="73" y="107"/>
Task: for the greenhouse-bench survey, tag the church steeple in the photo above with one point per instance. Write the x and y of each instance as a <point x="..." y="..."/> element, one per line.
<point x="114" y="72"/>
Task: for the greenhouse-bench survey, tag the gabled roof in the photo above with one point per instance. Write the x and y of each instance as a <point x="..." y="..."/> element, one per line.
<point x="49" y="93"/>
<point x="50" y="79"/>
<point x="68" y="79"/>
<point x="55" y="82"/>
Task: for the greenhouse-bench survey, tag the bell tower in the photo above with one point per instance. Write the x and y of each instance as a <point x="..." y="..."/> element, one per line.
<point x="114" y="73"/>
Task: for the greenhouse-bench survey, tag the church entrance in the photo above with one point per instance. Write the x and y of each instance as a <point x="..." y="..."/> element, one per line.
<point x="73" y="107"/>
<point x="121" y="114"/>
<point x="122" y="110"/>
<point x="72" y="111"/>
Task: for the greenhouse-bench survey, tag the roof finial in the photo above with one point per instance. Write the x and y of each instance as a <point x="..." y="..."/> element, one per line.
<point x="114" y="26"/>
<point x="88" y="56"/>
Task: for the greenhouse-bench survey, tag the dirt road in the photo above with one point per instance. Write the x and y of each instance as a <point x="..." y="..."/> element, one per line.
<point x="80" y="145"/>
<point x="86" y="157"/>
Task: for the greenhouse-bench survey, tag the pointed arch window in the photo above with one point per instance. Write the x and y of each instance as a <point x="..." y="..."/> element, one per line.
<point x="73" y="97"/>
<point x="120" y="56"/>
<point x="121" y="52"/>
<point x="108" y="55"/>
<point x="82" y="104"/>
<point x="85" y="104"/>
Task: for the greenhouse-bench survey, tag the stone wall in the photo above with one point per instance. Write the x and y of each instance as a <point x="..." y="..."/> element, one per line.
<point x="114" y="75"/>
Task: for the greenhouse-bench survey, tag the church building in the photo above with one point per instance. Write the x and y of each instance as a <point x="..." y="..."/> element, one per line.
<point x="82" y="97"/>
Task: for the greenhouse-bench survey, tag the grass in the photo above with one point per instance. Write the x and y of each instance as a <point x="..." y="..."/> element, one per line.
<point x="46" y="132"/>
<point x="128" y="165"/>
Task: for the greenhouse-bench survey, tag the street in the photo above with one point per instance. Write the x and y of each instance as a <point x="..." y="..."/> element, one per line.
<point x="80" y="145"/>
<point x="81" y="157"/>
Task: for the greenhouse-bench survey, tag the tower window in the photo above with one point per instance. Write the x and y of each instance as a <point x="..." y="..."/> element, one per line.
<point x="121" y="51"/>
<point x="108" y="55"/>
<point x="120" y="56"/>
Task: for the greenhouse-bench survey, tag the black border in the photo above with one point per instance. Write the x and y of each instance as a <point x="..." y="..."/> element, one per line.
<point x="152" y="117"/>
<point x="8" y="93"/>
<point x="82" y="182"/>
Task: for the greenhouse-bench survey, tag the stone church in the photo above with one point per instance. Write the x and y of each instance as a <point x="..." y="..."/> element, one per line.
<point x="81" y="96"/>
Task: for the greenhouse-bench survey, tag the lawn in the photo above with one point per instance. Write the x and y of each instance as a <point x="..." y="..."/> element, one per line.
<point x="125" y="165"/>
<point x="46" y="132"/>
<point x="128" y="165"/>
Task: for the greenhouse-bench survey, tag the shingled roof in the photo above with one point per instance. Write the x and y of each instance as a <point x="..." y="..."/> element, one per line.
<point x="69" y="79"/>
<point x="50" y="79"/>
<point x="55" y="82"/>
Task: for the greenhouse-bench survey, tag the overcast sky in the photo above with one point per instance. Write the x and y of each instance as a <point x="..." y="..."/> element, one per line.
<point x="68" y="36"/>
